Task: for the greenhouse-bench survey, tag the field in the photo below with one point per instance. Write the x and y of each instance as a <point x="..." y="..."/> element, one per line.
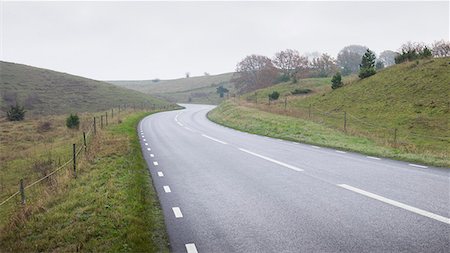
<point x="200" y="89"/>
<point x="47" y="92"/>
<point x="403" y="109"/>
<point x="110" y="206"/>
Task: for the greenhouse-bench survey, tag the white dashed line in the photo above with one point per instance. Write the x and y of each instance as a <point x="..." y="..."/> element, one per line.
<point x="152" y="155"/>
<point x="167" y="188"/>
<point x="160" y="174"/>
<point x="146" y="144"/>
<point x="397" y="204"/>
<point x="214" y="139"/>
<point x="177" y="212"/>
<point x="315" y="147"/>
<point x="144" y="139"/>
<point x="179" y="123"/>
<point x="187" y="128"/>
<point x="372" y="157"/>
<point x="149" y="149"/>
<point x="271" y="160"/>
<point x="155" y="163"/>
<point x="418" y="166"/>
<point x="340" y="152"/>
<point x="190" y="248"/>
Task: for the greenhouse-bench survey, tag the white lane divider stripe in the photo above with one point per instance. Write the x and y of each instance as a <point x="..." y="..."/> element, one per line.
<point x="177" y="212"/>
<point x="418" y="166"/>
<point x="144" y="139"/>
<point x="179" y="124"/>
<point x="160" y="174"/>
<point x="155" y="163"/>
<point x="372" y="157"/>
<point x="340" y="152"/>
<point x="214" y="139"/>
<point x="167" y="188"/>
<point x="149" y="149"/>
<point x="272" y="160"/>
<point x="397" y="204"/>
<point x="190" y="248"/>
<point x="315" y="147"/>
<point x="152" y="155"/>
<point x="146" y="144"/>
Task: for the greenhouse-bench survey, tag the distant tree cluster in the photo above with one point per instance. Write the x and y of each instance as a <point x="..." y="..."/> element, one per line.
<point x="411" y="51"/>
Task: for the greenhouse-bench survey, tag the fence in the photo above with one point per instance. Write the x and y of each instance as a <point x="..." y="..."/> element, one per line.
<point x="346" y="122"/>
<point x="98" y="122"/>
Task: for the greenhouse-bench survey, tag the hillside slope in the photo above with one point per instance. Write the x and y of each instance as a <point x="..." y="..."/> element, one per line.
<point x="45" y="92"/>
<point x="199" y="89"/>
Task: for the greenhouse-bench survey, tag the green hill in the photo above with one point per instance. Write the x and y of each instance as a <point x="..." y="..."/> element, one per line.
<point x="200" y="89"/>
<point x="45" y="92"/>
<point x="404" y="109"/>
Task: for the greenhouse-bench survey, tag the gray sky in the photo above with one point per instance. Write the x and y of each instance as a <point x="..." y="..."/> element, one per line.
<point x="146" y="40"/>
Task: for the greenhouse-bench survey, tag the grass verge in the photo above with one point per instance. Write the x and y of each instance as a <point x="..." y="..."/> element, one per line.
<point x="111" y="206"/>
<point x="294" y="129"/>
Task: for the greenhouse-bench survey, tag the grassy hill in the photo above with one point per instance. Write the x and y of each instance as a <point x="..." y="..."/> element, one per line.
<point x="200" y="89"/>
<point x="45" y="92"/>
<point x="403" y="108"/>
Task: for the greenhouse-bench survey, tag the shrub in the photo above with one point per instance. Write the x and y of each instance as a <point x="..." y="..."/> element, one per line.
<point x="336" y="81"/>
<point x="300" y="91"/>
<point x="274" y="95"/>
<point x="73" y="121"/>
<point x="44" y="127"/>
<point x="15" y="113"/>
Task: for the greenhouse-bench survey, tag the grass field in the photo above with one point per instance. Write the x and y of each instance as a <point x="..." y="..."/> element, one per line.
<point x="403" y="108"/>
<point x="110" y="206"/>
<point x="46" y="92"/>
<point x="200" y="89"/>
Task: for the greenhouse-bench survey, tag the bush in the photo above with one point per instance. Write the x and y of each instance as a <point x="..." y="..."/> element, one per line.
<point x="300" y="91"/>
<point x="15" y="113"/>
<point x="274" y="95"/>
<point x="336" y="81"/>
<point x="73" y="121"/>
<point x="44" y="127"/>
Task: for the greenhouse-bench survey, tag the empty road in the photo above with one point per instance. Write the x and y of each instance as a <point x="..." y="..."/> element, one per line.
<point x="223" y="190"/>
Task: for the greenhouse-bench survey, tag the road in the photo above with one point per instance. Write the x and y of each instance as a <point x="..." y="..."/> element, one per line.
<point x="222" y="190"/>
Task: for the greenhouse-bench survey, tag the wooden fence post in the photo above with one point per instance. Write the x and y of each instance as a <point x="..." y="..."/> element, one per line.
<point x="112" y="113"/>
<point x="309" y="111"/>
<point x="106" y="118"/>
<point x="345" y="121"/>
<point x="395" y="136"/>
<point x="22" y="192"/>
<point x="95" y="127"/>
<point x="101" y="121"/>
<point x="74" y="160"/>
<point x="285" y="103"/>
<point x="84" y="141"/>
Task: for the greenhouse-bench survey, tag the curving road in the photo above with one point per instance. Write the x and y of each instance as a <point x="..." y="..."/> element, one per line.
<point x="223" y="190"/>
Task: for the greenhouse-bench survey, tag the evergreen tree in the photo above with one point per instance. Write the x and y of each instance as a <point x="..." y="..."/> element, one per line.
<point x="367" y="66"/>
<point x="221" y="90"/>
<point x="15" y="113"/>
<point x="73" y="121"/>
<point x="336" y="81"/>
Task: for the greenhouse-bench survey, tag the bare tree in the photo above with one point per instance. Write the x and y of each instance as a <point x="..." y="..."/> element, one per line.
<point x="254" y="72"/>
<point x="441" y="48"/>
<point x="290" y="62"/>
<point x="387" y="57"/>
<point x="324" y="66"/>
<point x="350" y="57"/>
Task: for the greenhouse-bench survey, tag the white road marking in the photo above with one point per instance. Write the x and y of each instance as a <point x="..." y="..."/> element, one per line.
<point x="177" y="212"/>
<point x="149" y="149"/>
<point x="143" y="136"/>
<point x="146" y="144"/>
<point x="271" y="160"/>
<point x="418" y="166"/>
<point x="190" y="248"/>
<point x="214" y="139"/>
<point x="152" y="155"/>
<point x="341" y="152"/>
<point x="179" y="124"/>
<point x="374" y="158"/>
<point x="167" y="188"/>
<point x="189" y="129"/>
<point x="144" y="139"/>
<point x="155" y="163"/>
<point x="397" y="204"/>
<point x="160" y="174"/>
<point x="315" y="147"/>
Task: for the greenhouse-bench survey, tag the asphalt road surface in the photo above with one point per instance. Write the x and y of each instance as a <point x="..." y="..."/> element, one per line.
<point x="223" y="190"/>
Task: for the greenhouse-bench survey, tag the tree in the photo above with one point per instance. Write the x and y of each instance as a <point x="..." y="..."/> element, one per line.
<point x="349" y="58"/>
<point x="441" y="48"/>
<point x="290" y="63"/>
<point x="187" y="74"/>
<point x="221" y="90"/>
<point x="323" y="66"/>
<point x="411" y="51"/>
<point x="367" y="66"/>
<point x="379" y="65"/>
<point x="426" y="53"/>
<point x="387" y="57"/>
<point x="15" y="113"/>
<point x="254" y="72"/>
<point x="336" y="81"/>
<point x="73" y="121"/>
<point x="274" y="95"/>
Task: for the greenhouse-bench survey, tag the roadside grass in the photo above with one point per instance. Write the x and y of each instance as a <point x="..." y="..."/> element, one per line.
<point x="264" y="123"/>
<point x="110" y="206"/>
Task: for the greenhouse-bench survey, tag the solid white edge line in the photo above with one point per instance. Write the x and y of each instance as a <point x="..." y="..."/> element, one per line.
<point x="373" y="157"/>
<point x="190" y="248"/>
<point x="271" y="160"/>
<point x="155" y="163"/>
<point x="160" y="174"/>
<point x="315" y="147"/>
<point x="214" y="139"/>
<point x="167" y="188"/>
<point x="397" y="204"/>
<point x="340" y="152"/>
<point x="177" y="212"/>
<point x="418" y="166"/>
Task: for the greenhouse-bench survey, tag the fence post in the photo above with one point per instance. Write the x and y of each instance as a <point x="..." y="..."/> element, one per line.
<point x="95" y="127"/>
<point x="74" y="160"/>
<point x="309" y="111"/>
<point x="106" y="118"/>
<point x="22" y="192"/>
<point x="395" y="136"/>
<point x="84" y="141"/>
<point x="119" y="109"/>
<point x="285" y="103"/>
<point x="101" y="121"/>
<point x="112" y="113"/>
<point x="345" y="121"/>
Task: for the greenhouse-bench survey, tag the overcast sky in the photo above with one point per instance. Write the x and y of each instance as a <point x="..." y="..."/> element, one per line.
<point x="146" y="40"/>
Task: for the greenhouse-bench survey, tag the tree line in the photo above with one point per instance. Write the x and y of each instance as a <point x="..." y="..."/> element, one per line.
<point x="258" y="71"/>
